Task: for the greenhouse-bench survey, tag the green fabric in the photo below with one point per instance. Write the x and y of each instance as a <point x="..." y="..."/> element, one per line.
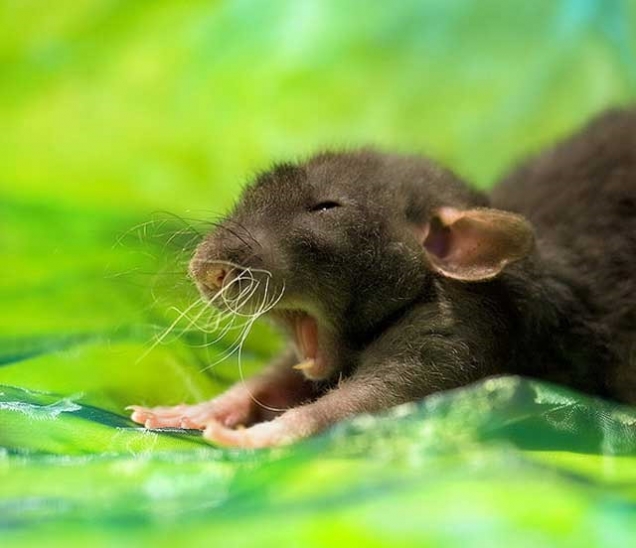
<point x="507" y="459"/>
<point x="116" y="115"/>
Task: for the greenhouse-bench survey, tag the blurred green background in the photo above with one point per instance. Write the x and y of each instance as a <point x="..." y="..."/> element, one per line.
<point x="125" y="126"/>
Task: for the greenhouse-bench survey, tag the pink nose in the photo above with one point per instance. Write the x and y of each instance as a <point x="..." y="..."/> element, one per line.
<point x="214" y="278"/>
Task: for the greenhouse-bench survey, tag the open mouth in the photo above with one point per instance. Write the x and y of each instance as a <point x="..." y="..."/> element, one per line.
<point x="304" y="330"/>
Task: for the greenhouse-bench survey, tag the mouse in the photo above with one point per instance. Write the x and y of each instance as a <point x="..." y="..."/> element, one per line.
<point x="392" y="279"/>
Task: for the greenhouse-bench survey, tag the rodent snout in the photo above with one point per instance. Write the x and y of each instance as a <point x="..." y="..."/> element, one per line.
<point x="214" y="277"/>
<point x="225" y="268"/>
<point x="209" y="276"/>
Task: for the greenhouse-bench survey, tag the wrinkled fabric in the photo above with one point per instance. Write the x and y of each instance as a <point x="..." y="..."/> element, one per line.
<point x="507" y="458"/>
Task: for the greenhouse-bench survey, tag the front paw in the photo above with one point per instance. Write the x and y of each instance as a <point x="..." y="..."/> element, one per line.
<point x="289" y="427"/>
<point x="263" y="434"/>
<point x="231" y="409"/>
<point x="178" y="416"/>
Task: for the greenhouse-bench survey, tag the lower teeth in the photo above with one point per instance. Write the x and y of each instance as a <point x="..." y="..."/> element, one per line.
<point x="307" y="364"/>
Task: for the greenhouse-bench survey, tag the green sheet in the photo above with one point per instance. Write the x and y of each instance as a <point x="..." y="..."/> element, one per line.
<point x="126" y="126"/>
<point x="507" y="459"/>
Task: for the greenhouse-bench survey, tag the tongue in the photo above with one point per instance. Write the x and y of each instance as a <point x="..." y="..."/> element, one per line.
<point x="307" y="337"/>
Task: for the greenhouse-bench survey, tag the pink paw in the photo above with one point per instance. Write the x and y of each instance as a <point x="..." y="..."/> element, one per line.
<point x="230" y="409"/>
<point x="179" y="416"/>
<point x="285" y="429"/>
<point x="264" y="434"/>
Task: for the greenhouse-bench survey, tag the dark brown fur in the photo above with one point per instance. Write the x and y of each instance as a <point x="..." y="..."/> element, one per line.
<point x="578" y="295"/>
<point x="401" y="315"/>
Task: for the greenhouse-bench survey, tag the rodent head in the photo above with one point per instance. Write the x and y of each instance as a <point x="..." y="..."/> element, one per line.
<point x="333" y="246"/>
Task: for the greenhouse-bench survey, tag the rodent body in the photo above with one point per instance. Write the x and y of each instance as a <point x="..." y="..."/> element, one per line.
<point x="580" y="197"/>
<point x="394" y="280"/>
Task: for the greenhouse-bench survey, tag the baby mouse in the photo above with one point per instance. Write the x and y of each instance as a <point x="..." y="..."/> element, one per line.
<point x="394" y="279"/>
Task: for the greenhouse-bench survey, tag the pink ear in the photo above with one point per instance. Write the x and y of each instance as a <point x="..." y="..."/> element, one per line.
<point x="476" y="244"/>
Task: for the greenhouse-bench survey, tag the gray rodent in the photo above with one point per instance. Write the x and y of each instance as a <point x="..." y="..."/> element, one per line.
<point x="394" y="279"/>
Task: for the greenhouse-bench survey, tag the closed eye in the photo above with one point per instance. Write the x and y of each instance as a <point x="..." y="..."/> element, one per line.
<point x="324" y="206"/>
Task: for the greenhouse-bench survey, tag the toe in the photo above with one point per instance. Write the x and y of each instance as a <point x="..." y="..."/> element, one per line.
<point x="226" y="437"/>
<point x="140" y="416"/>
<point x="266" y="434"/>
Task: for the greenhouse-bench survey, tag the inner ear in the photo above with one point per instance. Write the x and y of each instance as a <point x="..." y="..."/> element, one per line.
<point x="476" y="244"/>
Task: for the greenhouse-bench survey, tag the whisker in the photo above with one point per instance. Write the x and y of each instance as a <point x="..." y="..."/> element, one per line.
<point x="245" y="329"/>
<point x="139" y="226"/>
<point x="240" y="363"/>
<point x="245" y="230"/>
<point x="243" y="297"/>
<point x="167" y="331"/>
